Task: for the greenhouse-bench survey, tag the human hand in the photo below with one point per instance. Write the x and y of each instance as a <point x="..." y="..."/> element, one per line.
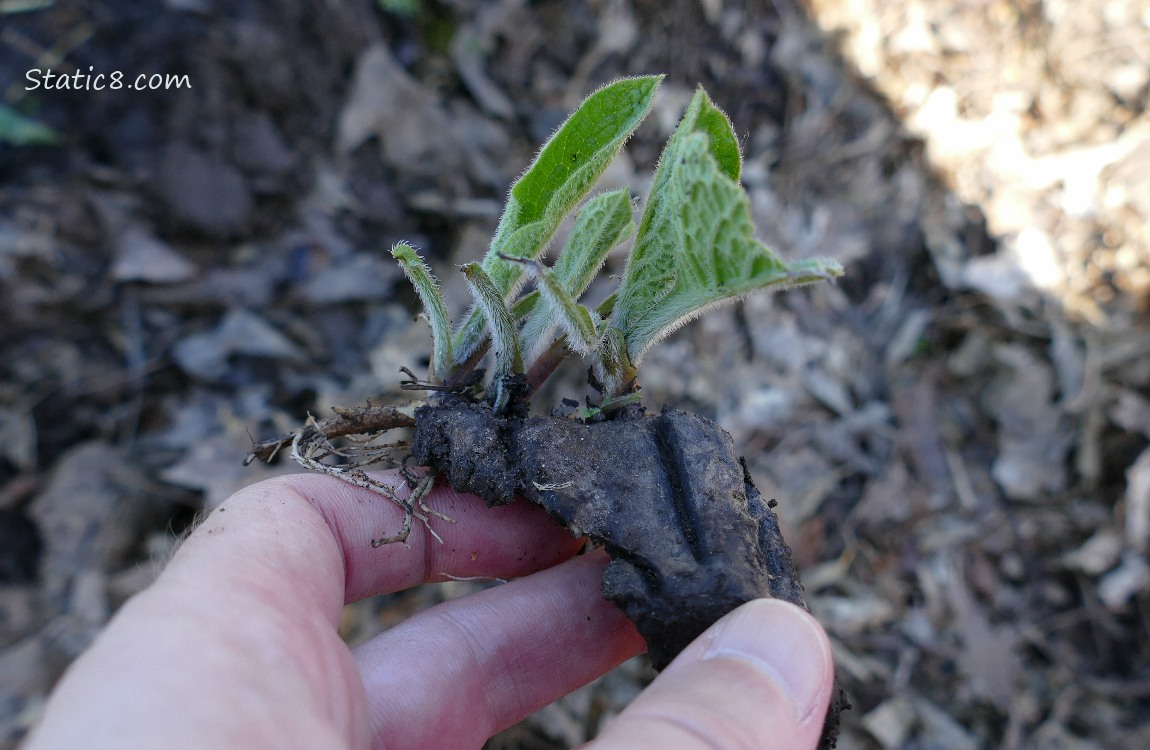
<point x="236" y="644"/>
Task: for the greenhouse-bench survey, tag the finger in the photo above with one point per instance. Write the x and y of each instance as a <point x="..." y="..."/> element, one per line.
<point x="460" y="672"/>
<point x="305" y="540"/>
<point x="761" y="677"/>
<point x="249" y="605"/>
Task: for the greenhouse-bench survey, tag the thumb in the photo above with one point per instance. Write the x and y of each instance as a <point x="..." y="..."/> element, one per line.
<point x="761" y="677"/>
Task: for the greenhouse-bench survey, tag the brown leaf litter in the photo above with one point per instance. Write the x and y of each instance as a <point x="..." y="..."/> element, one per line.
<point x="957" y="435"/>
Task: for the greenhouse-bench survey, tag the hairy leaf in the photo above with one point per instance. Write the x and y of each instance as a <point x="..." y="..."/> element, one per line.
<point x="508" y="359"/>
<point x="651" y="268"/>
<point x="699" y="249"/>
<point x="576" y="320"/>
<point x="601" y="224"/>
<point x="420" y="277"/>
<point x="565" y="169"/>
<point x="724" y="145"/>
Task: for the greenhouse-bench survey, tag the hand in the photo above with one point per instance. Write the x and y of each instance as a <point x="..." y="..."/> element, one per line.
<point x="236" y="643"/>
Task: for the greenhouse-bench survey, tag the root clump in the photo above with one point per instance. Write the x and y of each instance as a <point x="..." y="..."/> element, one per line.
<point x="689" y="535"/>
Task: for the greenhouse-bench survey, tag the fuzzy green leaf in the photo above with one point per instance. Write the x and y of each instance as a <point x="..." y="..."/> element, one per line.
<point x="508" y="359"/>
<point x="559" y="306"/>
<point x="724" y="145"/>
<point x="601" y="224"/>
<point x="571" y="161"/>
<point x="699" y="250"/>
<point x="650" y="258"/>
<point x="565" y="169"/>
<point x="420" y="277"/>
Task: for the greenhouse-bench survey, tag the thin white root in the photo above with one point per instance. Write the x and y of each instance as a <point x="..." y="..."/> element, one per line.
<point x="311" y="452"/>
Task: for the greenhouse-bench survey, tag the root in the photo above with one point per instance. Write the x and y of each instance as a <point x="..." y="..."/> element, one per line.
<point x="312" y="448"/>
<point x="420" y="487"/>
<point x="413" y="383"/>
<point x="364" y="420"/>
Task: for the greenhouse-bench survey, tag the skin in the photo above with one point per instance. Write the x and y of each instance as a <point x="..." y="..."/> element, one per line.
<point x="236" y="644"/>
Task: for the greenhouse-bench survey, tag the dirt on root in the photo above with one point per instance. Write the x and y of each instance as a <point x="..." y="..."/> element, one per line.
<point x="689" y="536"/>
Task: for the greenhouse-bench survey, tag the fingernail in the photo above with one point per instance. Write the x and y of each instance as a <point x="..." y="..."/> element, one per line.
<point x="786" y="644"/>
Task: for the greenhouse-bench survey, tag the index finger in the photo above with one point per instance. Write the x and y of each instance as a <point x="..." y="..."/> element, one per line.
<point x="311" y="536"/>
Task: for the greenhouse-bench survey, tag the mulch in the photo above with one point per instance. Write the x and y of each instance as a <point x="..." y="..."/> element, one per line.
<point x="957" y="433"/>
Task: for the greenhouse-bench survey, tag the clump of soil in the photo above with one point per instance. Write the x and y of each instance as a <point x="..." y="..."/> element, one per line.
<point x="689" y="535"/>
<point x="666" y="495"/>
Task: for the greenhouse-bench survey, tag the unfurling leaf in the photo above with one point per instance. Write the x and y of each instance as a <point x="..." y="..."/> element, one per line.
<point x="565" y="169"/>
<point x="600" y="225"/>
<point x="616" y="370"/>
<point x="558" y="306"/>
<point x="603" y="223"/>
<point x="508" y="359"/>
<point x="420" y="277"/>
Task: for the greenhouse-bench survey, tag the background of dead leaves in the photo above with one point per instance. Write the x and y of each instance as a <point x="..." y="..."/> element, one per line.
<point x="958" y="434"/>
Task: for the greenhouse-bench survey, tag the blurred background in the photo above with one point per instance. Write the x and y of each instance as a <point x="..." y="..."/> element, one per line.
<point x="958" y="433"/>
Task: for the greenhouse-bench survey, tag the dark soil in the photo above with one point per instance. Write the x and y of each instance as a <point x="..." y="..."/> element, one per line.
<point x="689" y="535"/>
<point x="667" y="496"/>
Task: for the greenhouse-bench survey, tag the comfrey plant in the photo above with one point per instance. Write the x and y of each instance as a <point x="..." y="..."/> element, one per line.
<point x="666" y="495"/>
<point x="694" y="249"/>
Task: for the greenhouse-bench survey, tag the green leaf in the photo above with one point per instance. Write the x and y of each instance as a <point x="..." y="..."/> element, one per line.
<point x="565" y="169"/>
<point x="724" y="145"/>
<point x="656" y="229"/>
<point x="601" y="224"/>
<point x="559" y="306"/>
<point x="508" y="359"/>
<point x="699" y="251"/>
<point x="571" y="161"/>
<point x="420" y="277"/>
<point x="20" y="130"/>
